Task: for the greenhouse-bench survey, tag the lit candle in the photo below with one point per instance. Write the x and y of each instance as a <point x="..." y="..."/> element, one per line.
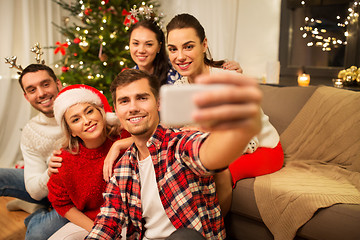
<point x="304" y="80"/>
<point x="338" y="82"/>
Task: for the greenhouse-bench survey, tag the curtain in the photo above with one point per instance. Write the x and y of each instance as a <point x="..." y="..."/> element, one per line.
<point x="23" y="23"/>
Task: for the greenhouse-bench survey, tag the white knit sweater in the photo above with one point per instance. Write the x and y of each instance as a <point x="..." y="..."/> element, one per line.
<point x="38" y="140"/>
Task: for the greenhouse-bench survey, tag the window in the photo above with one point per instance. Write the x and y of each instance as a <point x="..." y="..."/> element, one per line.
<point x="301" y="50"/>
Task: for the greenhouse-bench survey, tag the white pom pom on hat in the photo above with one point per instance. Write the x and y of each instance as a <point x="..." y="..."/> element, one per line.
<point x="81" y="93"/>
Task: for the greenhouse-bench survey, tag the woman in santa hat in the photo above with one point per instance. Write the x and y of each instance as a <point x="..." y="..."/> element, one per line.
<point x="90" y="128"/>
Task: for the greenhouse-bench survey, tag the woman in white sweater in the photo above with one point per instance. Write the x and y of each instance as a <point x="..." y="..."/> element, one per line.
<point x="190" y="56"/>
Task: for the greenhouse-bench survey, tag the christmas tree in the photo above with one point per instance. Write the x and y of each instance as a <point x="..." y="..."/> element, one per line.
<point x="97" y="42"/>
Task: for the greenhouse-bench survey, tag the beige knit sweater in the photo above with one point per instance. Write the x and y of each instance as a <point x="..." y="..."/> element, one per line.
<point x="322" y="163"/>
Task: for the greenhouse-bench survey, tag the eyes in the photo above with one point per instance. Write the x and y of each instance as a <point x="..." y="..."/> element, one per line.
<point x="126" y="100"/>
<point x="187" y="47"/>
<point x="88" y="112"/>
<point x="136" y="44"/>
<point x="44" y="84"/>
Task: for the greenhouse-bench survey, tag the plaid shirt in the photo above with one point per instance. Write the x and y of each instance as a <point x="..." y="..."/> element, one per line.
<point x="186" y="188"/>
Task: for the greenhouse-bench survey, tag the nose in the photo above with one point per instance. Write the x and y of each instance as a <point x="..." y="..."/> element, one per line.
<point x="181" y="56"/>
<point x="87" y="121"/>
<point x="41" y="92"/>
<point x="133" y="108"/>
<point x="141" y="48"/>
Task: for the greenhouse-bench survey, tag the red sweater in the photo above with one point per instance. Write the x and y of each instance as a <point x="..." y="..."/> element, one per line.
<point x="80" y="182"/>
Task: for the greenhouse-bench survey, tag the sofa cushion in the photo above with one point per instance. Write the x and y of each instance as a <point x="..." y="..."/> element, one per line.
<point x="282" y="104"/>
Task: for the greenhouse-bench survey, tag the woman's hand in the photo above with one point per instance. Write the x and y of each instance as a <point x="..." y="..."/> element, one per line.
<point x="232" y="65"/>
<point x="54" y="163"/>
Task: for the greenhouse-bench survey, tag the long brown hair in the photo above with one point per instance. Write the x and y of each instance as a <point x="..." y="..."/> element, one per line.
<point x="161" y="62"/>
<point x="185" y="20"/>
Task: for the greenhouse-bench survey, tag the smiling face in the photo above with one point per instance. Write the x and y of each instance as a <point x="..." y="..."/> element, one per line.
<point x="143" y="48"/>
<point x="40" y="90"/>
<point x="186" y="52"/>
<point x="137" y="108"/>
<point x="86" y="122"/>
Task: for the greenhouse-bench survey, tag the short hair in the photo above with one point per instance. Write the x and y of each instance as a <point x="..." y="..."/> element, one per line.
<point x="34" y="68"/>
<point x="131" y="75"/>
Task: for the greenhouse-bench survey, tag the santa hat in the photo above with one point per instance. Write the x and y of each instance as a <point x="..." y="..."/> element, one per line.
<point x="80" y="93"/>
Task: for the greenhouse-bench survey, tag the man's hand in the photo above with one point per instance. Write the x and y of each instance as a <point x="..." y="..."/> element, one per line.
<point x="232" y="114"/>
<point x="54" y="163"/>
<point x="237" y="106"/>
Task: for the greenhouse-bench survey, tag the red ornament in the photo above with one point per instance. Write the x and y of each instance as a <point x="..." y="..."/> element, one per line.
<point x="61" y="47"/>
<point x="65" y="69"/>
<point x="75" y="54"/>
<point x="77" y="40"/>
<point x="88" y="11"/>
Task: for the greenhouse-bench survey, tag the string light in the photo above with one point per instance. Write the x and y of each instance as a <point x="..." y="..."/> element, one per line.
<point x="316" y="35"/>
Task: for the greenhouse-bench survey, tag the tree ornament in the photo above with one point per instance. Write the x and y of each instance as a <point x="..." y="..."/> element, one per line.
<point x="64" y="69"/>
<point x="88" y="11"/>
<point x="61" y="48"/>
<point x="84" y="45"/>
<point x="66" y="21"/>
<point x="77" y="40"/>
<point x="103" y="57"/>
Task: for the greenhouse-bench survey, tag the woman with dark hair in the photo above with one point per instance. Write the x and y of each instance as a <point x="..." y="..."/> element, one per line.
<point x="147" y="49"/>
<point x="190" y="56"/>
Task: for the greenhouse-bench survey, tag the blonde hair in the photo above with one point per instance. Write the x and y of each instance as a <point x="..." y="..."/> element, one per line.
<point x="71" y="143"/>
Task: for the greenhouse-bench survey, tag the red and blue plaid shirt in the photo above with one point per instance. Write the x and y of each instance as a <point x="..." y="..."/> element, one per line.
<point x="186" y="188"/>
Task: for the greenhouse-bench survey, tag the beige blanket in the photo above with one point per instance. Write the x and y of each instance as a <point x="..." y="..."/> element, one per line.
<point x="322" y="163"/>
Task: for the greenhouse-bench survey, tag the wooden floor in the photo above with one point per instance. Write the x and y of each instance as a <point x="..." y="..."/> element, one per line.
<point x="11" y="223"/>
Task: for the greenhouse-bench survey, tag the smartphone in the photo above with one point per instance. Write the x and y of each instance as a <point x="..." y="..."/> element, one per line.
<point x="176" y="102"/>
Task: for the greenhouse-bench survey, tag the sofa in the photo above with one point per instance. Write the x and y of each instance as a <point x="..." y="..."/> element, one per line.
<point x="339" y="221"/>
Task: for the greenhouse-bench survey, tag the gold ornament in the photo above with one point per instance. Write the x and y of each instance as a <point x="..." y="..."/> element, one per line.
<point x="353" y="69"/>
<point x="84" y="45"/>
<point x="341" y="74"/>
<point x="350" y="76"/>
